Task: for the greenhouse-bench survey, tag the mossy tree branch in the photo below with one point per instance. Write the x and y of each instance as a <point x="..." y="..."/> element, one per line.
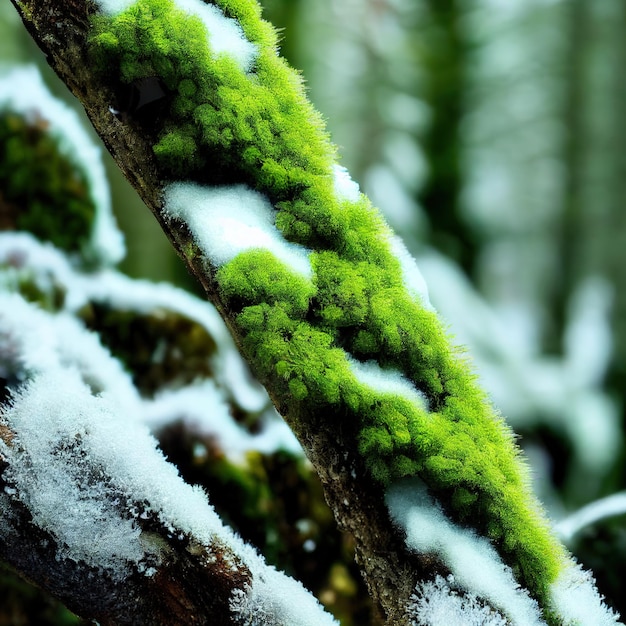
<point x="61" y="28"/>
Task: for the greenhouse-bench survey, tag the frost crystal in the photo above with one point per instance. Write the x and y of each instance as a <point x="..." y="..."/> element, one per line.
<point x="476" y="566"/>
<point x="437" y="604"/>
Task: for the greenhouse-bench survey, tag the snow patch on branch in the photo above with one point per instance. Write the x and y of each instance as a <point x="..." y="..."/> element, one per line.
<point x="24" y="257"/>
<point x="438" y="603"/>
<point x="474" y="563"/>
<point x="190" y="405"/>
<point x="610" y="506"/>
<point x="577" y="601"/>
<point x="88" y="470"/>
<point x="275" y="599"/>
<point x="226" y="221"/>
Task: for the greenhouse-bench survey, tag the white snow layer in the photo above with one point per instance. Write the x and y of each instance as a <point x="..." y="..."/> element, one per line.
<point x="371" y="374"/>
<point x="23" y="256"/>
<point x="474" y="563"/>
<point x="226" y="221"/>
<point x="225" y="35"/>
<point x="345" y="187"/>
<point x="190" y="405"/>
<point x="438" y="603"/>
<point x="81" y="462"/>
<point x="22" y="90"/>
<point x="577" y="601"/>
<point x="411" y="275"/>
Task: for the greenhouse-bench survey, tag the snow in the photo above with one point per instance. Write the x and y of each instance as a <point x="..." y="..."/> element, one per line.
<point x="33" y="341"/>
<point x="23" y="256"/>
<point x="578" y="602"/>
<point x="225" y="35"/>
<point x="438" y="603"/>
<point x="52" y="480"/>
<point x="345" y="187"/>
<point x="614" y="504"/>
<point x="226" y="221"/>
<point x="88" y="469"/>
<point x="371" y="374"/>
<point x="203" y="408"/>
<point x="22" y="90"/>
<point x="474" y="563"/>
<point x="275" y="599"/>
<point x="411" y="275"/>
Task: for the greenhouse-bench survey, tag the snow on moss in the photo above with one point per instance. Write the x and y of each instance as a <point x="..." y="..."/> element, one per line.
<point x="224" y="34"/>
<point x="478" y="570"/>
<point x="390" y="381"/>
<point x="345" y="187"/>
<point x="226" y="221"/>
<point x="411" y="274"/>
<point x="578" y="602"/>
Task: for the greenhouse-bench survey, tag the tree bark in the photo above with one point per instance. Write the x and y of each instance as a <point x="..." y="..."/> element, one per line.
<point x="187" y="587"/>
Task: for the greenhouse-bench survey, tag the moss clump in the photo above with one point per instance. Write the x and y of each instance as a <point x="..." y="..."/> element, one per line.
<point x="161" y="349"/>
<point x="41" y="190"/>
<point x="228" y="124"/>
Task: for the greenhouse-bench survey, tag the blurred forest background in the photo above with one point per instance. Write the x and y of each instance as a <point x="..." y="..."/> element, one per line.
<point x="492" y="134"/>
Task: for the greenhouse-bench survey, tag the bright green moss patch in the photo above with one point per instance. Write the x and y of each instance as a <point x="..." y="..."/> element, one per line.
<point x="258" y="276"/>
<point x="41" y="190"/>
<point x="228" y="125"/>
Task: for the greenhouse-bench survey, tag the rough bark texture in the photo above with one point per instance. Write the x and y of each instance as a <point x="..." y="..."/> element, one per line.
<point x="190" y="586"/>
<point x="61" y="27"/>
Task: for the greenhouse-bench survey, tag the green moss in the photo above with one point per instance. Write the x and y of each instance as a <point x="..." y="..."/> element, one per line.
<point x="41" y="190"/>
<point x="226" y="125"/>
<point x="160" y="349"/>
<point x="259" y="277"/>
